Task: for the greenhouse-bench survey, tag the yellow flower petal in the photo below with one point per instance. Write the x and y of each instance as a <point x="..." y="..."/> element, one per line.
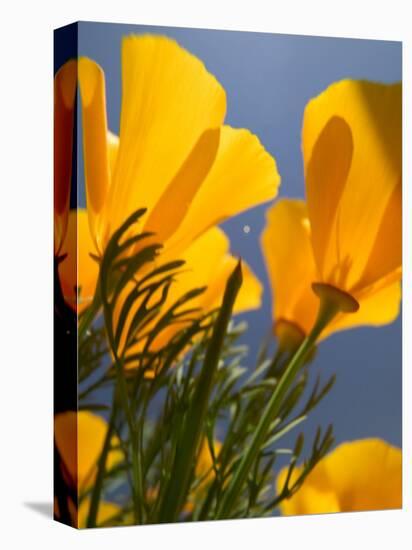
<point x="79" y="439"/>
<point x="164" y="219"/>
<point x="207" y="264"/>
<point x="78" y="272"/>
<point x="244" y="175"/>
<point x="250" y="293"/>
<point x="386" y="253"/>
<point x="326" y="175"/>
<point x="204" y="464"/>
<point x="289" y="261"/>
<point x="65" y="82"/>
<point x="113" y="144"/>
<point x="358" y="475"/>
<point x="107" y="510"/>
<point x="310" y="501"/>
<point x="373" y="113"/>
<point x="169" y="99"/>
<point x="65" y="436"/>
<point x="204" y="471"/>
<point x="95" y="143"/>
<point x="202" y="259"/>
<point x="374" y="479"/>
<point x="203" y="262"/>
<point x="376" y="309"/>
<point x="286" y="245"/>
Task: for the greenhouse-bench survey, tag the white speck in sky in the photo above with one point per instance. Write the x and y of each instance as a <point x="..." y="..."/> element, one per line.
<point x="246" y="229"/>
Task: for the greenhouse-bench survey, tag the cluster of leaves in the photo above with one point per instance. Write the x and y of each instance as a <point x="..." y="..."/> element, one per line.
<point x="171" y="400"/>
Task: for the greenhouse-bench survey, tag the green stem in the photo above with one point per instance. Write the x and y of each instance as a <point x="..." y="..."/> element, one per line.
<point x="278" y="359"/>
<point x="179" y="481"/>
<point x="101" y="468"/>
<point x="328" y="308"/>
<point x="137" y="489"/>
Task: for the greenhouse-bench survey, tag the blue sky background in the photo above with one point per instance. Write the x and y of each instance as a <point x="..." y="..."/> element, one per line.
<point x="269" y="79"/>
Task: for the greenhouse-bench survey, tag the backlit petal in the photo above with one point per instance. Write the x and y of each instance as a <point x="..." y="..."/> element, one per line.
<point x="308" y="500"/>
<point x="208" y="264"/>
<point x="95" y="143"/>
<point x="65" y="437"/>
<point x="172" y="206"/>
<point x="373" y="112"/>
<point x="107" y="510"/>
<point x="78" y="271"/>
<point x="359" y="475"/>
<point x="202" y="260"/>
<point x="374" y="479"/>
<point x="169" y="99"/>
<point x="65" y="82"/>
<point x="376" y="309"/>
<point x="113" y="144"/>
<point x="250" y="293"/>
<point x="244" y="175"/>
<point x="204" y="464"/>
<point x="326" y="176"/>
<point x="80" y="444"/>
<point x="289" y="261"/>
<point x="386" y="254"/>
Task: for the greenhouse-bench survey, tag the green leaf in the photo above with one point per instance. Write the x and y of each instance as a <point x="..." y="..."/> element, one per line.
<point x="181" y="471"/>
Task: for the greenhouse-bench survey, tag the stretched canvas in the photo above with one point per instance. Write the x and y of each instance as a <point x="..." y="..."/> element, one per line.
<point x="227" y="275"/>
